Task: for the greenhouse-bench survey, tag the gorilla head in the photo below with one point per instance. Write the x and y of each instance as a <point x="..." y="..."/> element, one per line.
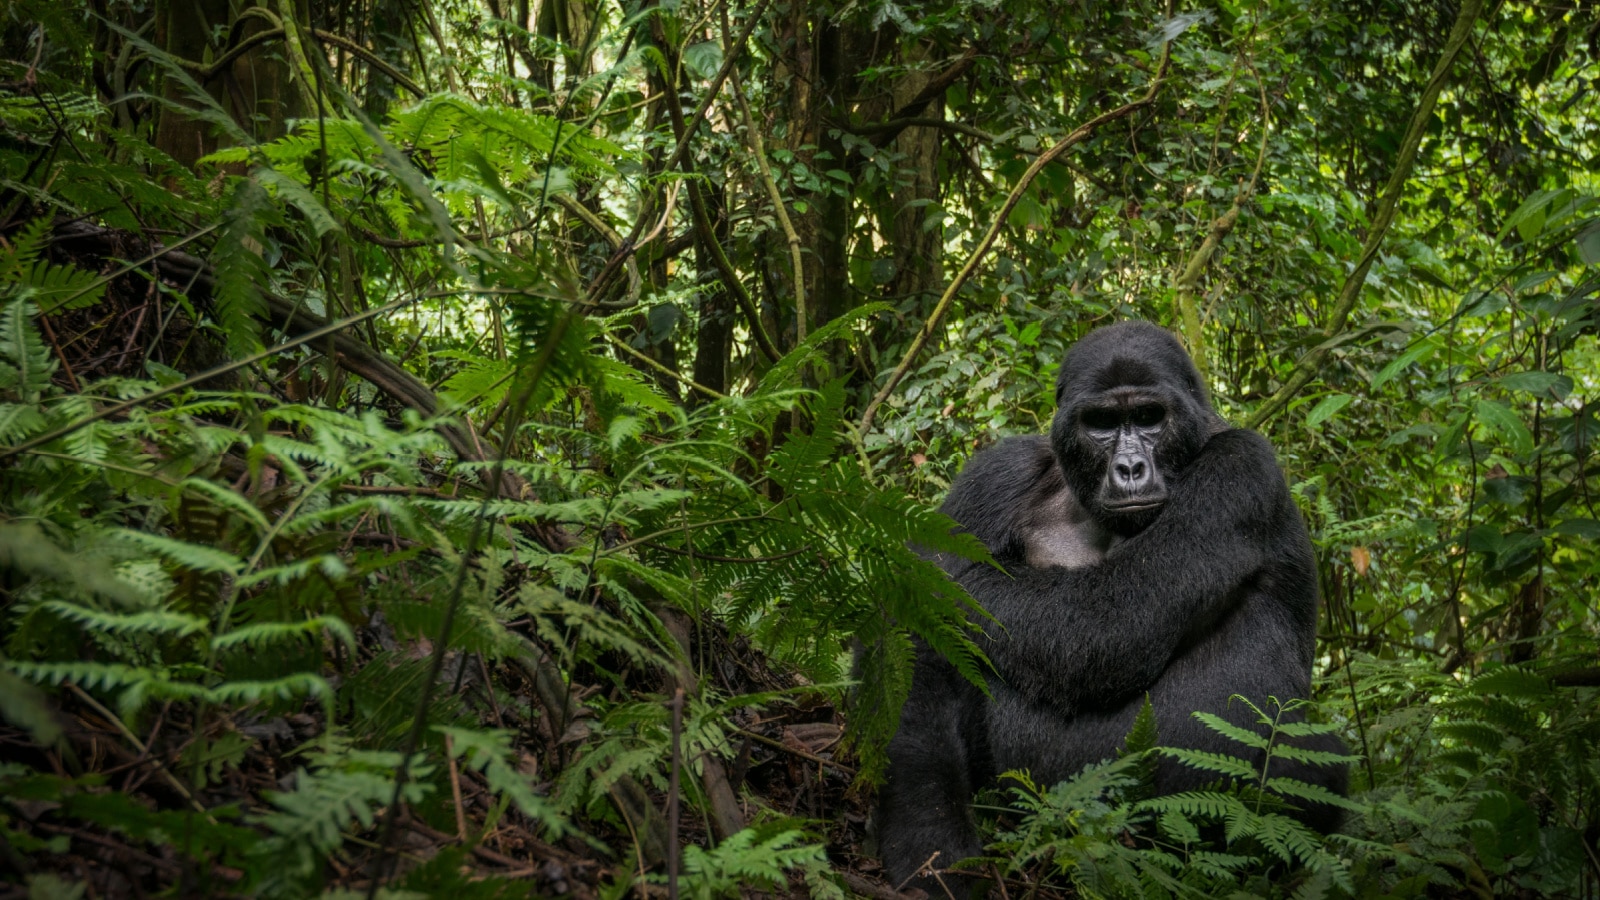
<point x="1130" y="414"/>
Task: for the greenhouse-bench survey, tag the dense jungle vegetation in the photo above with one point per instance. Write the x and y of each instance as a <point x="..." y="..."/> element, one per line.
<point x="473" y="449"/>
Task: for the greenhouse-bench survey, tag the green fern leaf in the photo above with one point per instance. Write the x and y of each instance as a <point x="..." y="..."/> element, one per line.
<point x="241" y="270"/>
<point x="25" y="362"/>
<point x="1208" y="761"/>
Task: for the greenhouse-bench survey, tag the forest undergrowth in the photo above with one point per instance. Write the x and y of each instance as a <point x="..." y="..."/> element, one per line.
<point x="464" y="479"/>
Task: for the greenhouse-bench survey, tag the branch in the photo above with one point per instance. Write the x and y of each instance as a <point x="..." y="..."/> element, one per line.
<point x="907" y="116"/>
<point x="208" y="72"/>
<point x="370" y="59"/>
<point x="1306" y="367"/>
<point x="925" y="333"/>
<point x="898" y="125"/>
<point x="684" y="130"/>
<point x="758" y="147"/>
<point x="730" y="56"/>
<point x="1184" y="287"/>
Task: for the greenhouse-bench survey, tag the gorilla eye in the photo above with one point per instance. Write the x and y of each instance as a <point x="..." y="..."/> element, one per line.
<point x="1146" y="416"/>
<point x="1101" y="419"/>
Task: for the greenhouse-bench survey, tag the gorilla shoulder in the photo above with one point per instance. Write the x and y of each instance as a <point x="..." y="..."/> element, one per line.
<point x="1013" y="497"/>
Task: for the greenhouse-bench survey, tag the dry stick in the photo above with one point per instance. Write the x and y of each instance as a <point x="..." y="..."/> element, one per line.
<point x="925" y="333"/>
<point x="130" y="737"/>
<point x="672" y="795"/>
<point x="1388" y="202"/>
<point x="759" y="148"/>
<point x="455" y="787"/>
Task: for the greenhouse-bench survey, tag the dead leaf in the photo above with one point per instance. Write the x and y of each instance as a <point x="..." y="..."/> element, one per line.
<point x="1360" y="560"/>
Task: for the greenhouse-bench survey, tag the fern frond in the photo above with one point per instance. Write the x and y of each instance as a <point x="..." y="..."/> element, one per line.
<point x="1212" y="805"/>
<point x="1210" y="761"/>
<point x="1316" y="793"/>
<point x="195" y="557"/>
<point x="167" y="624"/>
<point x="241" y="270"/>
<point x="489" y="752"/>
<point x="25" y="362"/>
<point x="263" y="633"/>
<point x="1231" y="731"/>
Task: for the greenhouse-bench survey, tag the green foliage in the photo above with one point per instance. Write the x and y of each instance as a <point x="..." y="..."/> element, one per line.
<point x="757" y="858"/>
<point x="1078" y="829"/>
<point x="53" y="288"/>
<point x="271" y="562"/>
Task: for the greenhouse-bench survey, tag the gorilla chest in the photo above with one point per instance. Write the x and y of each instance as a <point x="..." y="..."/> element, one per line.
<point x="1060" y="532"/>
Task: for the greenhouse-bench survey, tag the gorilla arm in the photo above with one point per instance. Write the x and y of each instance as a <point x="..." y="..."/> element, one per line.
<point x="1089" y="638"/>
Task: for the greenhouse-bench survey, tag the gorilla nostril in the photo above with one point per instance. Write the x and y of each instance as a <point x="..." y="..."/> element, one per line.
<point x="1130" y="473"/>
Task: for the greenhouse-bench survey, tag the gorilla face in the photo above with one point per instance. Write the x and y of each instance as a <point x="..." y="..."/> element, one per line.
<point x="1130" y="415"/>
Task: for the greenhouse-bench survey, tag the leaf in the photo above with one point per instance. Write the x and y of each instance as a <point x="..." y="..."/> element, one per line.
<point x="705" y="58"/>
<point x="1549" y="385"/>
<point x="1171" y="28"/>
<point x="1588" y="244"/>
<point x="1499" y="418"/>
<point x="1417" y="353"/>
<point x="26" y="364"/>
<point x="1584" y="528"/>
<point x="1231" y="731"/>
<point x="1326" y="409"/>
<point x="301" y="197"/>
<point x="1528" y="219"/>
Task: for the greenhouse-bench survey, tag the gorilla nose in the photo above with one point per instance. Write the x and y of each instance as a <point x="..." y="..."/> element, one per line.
<point x="1131" y="473"/>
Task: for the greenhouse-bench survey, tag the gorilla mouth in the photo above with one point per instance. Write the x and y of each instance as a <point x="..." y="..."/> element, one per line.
<point x="1131" y="506"/>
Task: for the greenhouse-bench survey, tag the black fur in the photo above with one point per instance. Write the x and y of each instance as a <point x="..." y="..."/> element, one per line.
<point x="1210" y="595"/>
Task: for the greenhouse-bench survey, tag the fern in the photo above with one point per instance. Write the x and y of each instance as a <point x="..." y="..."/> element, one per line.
<point x="25" y="362"/>
<point x="759" y="857"/>
<point x="262" y="633"/>
<point x="241" y="270"/>
<point x="488" y="752"/>
<point x="341" y="790"/>
<point x="152" y="622"/>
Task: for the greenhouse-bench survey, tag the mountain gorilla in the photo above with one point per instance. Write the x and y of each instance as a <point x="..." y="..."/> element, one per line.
<point x="1147" y="548"/>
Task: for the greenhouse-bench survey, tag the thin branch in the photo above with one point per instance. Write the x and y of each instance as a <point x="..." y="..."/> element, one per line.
<point x="898" y="125"/>
<point x="370" y="59"/>
<point x="925" y="333"/>
<point x="1306" y="367"/>
<point x="730" y="55"/>
<point x="1184" y="287"/>
<point x="907" y="115"/>
<point x="623" y="346"/>
<point x="684" y="130"/>
<point x="759" y="148"/>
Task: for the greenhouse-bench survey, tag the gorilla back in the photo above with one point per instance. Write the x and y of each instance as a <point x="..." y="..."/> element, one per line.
<point x="1145" y="548"/>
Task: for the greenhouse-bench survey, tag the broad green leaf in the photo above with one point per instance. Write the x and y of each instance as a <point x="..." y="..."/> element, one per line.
<point x="1500" y="418"/>
<point x="1528" y="219"/>
<point x="1584" y="528"/>
<point x="1417" y="353"/>
<point x="1550" y="385"/>
<point x="1326" y="409"/>
<point x="1588" y="244"/>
